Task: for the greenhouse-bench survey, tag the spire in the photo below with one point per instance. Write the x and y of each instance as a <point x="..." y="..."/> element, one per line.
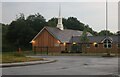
<point x="60" y="25"/>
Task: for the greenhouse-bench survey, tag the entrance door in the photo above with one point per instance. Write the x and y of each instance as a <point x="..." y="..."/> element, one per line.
<point x="76" y="48"/>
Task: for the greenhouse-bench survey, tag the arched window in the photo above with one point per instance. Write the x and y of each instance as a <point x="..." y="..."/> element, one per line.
<point x="107" y="43"/>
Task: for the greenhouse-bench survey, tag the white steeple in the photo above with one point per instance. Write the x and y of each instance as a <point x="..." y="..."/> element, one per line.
<point x="60" y="25"/>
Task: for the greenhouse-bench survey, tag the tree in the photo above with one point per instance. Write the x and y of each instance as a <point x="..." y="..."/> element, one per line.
<point x="20" y="33"/>
<point x="21" y="30"/>
<point x="104" y="32"/>
<point x="118" y="33"/>
<point x="73" y="23"/>
<point x="84" y="39"/>
<point x="52" y="22"/>
<point x="36" y="22"/>
<point x="5" y="42"/>
<point x="94" y="33"/>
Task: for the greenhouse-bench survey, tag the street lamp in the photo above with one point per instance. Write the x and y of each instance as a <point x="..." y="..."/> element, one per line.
<point x="94" y="43"/>
<point x="74" y="43"/>
<point x="33" y="41"/>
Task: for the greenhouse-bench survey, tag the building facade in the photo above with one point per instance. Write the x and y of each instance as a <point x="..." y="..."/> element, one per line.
<point x="54" y="40"/>
<point x="58" y="40"/>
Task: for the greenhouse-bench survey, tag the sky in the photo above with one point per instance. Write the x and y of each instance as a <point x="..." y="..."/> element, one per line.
<point x="91" y="13"/>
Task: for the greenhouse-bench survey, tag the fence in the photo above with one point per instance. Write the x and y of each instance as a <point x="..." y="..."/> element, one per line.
<point x="46" y="50"/>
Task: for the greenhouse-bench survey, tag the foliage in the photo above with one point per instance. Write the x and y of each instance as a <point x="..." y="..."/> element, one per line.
<point x="71" y="23"/>
<point x="104" y="32"/>
<point x="118" y="33"/>
<point x="52" y="22"/>
<point x="36" y="22"/>
<point x="94" y="33"/>
<point x="22" y="30"/>
<point x="5" y="43"/>
<point x="84" y="37"/>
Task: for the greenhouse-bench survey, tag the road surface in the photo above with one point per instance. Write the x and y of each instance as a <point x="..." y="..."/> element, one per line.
<point x="68" y="65"/>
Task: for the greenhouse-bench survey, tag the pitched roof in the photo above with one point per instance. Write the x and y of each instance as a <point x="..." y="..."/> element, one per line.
<point x="62" y="35"/>
<point x="97" y="39"/>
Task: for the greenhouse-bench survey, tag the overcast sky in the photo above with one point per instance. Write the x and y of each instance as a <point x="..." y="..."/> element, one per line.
<point x="91" y="13"/>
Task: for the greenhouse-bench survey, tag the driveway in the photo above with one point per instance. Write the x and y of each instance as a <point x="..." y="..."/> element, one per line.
<point x="68" y="65"/>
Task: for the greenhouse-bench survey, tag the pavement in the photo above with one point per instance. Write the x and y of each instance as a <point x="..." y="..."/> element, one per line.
<point x="68" y="65"/>
<point x="26" y="63"/>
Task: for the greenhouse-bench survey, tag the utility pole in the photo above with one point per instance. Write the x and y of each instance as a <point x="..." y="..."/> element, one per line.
<point x="106" y="18"/>
<point x="107" y="42"/>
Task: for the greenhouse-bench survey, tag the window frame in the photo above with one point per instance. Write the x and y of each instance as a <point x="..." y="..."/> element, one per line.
<point x="107" y="43"/>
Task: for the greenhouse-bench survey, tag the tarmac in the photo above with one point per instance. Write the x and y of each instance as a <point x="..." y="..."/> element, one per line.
<point x="69" y="65"/>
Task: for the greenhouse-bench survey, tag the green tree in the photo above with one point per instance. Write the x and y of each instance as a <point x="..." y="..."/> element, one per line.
<point x="118" y="33"/>
<point x="94" y="33"/>
<point x="5" y="42"/>
<point x="36" y="22"/>
<point x="20" y="33"/>
<point x="52" y="22"/>
<point x="104" y="32"/>
<point x="73" y="23"/>
<point x="21" y="30"/>
<point x="84" y="39"/>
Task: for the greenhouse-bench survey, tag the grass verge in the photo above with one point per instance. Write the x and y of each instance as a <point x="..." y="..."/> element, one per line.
<point x="17" y="57"/>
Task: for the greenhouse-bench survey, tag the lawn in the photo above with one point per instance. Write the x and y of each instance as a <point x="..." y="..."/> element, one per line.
<point x="17" y="57"/>
<point x="13" y="57"/>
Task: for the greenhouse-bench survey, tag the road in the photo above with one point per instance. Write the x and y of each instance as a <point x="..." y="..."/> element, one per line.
<point x="68" y="65"/>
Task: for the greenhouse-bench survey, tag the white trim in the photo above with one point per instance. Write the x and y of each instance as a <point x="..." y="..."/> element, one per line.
<point x="107" y="45"/>
<point x="37" y="35"/>
<point x="41" y="31"/>
<point x="106" y="38"/>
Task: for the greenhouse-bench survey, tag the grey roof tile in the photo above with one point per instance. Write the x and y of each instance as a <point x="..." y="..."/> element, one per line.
<point x="97" y="39"/>
<point x="64" y="35"/>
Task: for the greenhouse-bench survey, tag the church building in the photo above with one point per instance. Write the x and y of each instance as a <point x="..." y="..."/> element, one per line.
<point x="58" y="40"/>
